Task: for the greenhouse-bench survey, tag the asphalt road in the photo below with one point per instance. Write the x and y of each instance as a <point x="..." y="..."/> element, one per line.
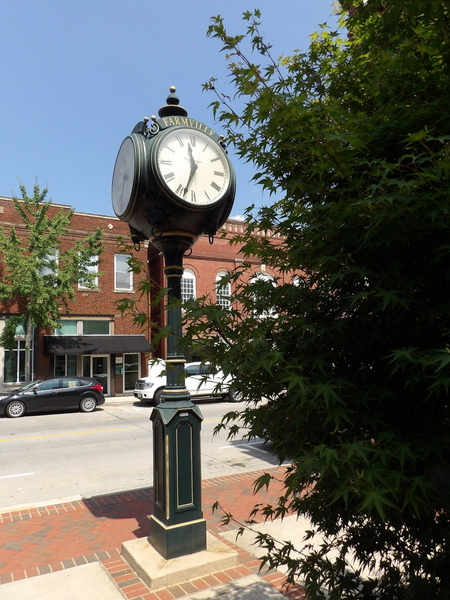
<point x="55" y="457"/>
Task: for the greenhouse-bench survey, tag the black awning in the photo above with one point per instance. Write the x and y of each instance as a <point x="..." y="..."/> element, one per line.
<point x="95" y="344"/>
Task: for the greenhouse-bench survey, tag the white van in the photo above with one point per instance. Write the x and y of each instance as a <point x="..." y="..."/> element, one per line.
<point x="201" y="381"/>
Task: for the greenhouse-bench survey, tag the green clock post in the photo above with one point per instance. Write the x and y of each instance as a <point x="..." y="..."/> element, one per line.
<point x="172" y="183"/>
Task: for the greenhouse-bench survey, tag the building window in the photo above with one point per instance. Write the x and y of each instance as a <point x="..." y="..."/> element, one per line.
<point x="49" y="268"/>
<point x="187" y="285"/>
<point x="67" y="328"/>
<point x="92" y="268"/>
<point x="261" y="297"/>
<point x="130" y="371"/>
<point x="123" y="277"/>
<point x="223" y="291"/>
<point x="88" y="327"/>
<point x="95" y="327"/>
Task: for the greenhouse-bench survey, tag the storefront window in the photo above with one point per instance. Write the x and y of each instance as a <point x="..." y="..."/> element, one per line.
<point x="65" y="365"/>
<point x="15" y="362"/>
<point x="131" y="371"/>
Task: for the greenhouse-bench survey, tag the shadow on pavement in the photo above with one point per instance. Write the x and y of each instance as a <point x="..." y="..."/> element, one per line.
<point x="135" y="504"/>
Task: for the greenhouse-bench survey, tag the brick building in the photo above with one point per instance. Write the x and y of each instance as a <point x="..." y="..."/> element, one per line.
<point x="95" y="339"/>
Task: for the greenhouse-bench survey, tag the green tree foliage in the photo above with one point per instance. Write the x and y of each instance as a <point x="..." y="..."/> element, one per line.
<point x="39" y="271"/>
<point x="351" y="346"/>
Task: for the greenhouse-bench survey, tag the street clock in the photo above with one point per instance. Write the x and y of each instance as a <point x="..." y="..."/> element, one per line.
<point x="173" y="174"/>
<point x="173" y="182"/>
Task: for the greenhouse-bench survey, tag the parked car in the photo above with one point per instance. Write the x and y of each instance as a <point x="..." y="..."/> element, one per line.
<point x="53" y="394"/>
<point x="201" y="381"/>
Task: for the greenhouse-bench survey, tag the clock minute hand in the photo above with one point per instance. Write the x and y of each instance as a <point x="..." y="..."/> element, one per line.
<point x="194" y="167"/>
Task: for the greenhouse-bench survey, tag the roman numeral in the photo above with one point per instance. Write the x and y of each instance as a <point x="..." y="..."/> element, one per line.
<point x="215" y="186"/>
<point x="180" y="141"/>
<point x="166" y="162"/>
<point x="219" y="173"/>
<point x="179" y="189"/>
<point x="193" y="140"/>
<point x="169" y="176"/>
<point x="193" y="198"/>
<point x="214" y="159"/>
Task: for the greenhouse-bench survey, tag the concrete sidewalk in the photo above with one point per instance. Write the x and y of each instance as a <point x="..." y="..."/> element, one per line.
<point x="72" y="550"/>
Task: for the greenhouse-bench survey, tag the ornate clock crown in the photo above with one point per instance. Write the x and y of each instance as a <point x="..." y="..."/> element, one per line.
<point x="172" y="108"/>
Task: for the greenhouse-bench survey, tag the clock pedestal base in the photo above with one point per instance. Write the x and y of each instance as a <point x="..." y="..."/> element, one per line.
<point x="177" y="540"/>
<point x="177" y="524"/>
<point x="157" y="572"/>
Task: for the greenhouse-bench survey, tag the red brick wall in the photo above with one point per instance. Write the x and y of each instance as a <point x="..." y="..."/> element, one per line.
<point x="100" y="302"/>
<point x="206" y="261"/>
<point x="87" y="302"/>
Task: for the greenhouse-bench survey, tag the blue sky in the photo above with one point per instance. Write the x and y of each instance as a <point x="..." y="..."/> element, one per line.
<point x="77" y="75"/>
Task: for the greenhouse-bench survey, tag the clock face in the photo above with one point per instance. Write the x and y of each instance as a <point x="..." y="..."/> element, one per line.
<point x="192" y="166"/>
<point x="126" y="176"/>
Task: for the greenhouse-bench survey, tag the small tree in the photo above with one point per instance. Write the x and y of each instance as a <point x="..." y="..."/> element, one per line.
<point x="38" y="270"/>
<point x="353" y="354"/>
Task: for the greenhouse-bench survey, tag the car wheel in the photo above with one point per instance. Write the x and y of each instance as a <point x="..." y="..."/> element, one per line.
<point x="157" y="396"/>
<point x="15" y="409"/>
<point x="88" y="404"/>
<point x="233" y="396"/>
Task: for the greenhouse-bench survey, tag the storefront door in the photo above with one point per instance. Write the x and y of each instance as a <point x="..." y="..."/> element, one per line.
<point x="97" y="366"/>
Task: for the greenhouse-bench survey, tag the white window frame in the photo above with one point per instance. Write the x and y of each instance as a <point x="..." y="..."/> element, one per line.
<point x="18" y="351"/>
<point x="80" y="326"/>
<point x="53" y="256"/>
<point x="188" y="280"/>
<point x="223" y="292"/>
<point x="262" y="275"/>
<point x="119" y="261"/>
<point x="92" y="268"/>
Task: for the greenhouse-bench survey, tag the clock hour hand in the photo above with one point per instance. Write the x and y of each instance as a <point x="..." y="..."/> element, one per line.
<point x="194" y="167"/>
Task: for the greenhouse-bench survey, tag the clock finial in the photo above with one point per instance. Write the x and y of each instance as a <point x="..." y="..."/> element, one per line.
<point x="172" y="108"/>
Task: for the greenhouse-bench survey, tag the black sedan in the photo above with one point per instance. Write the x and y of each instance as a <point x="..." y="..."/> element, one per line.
<point x="54" y="394"/>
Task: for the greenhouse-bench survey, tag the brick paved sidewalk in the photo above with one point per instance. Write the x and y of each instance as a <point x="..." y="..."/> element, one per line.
<point x="41" y="540"/>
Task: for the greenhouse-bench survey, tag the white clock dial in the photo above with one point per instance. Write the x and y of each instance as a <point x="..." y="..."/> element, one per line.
<point x="192" y="166"/>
